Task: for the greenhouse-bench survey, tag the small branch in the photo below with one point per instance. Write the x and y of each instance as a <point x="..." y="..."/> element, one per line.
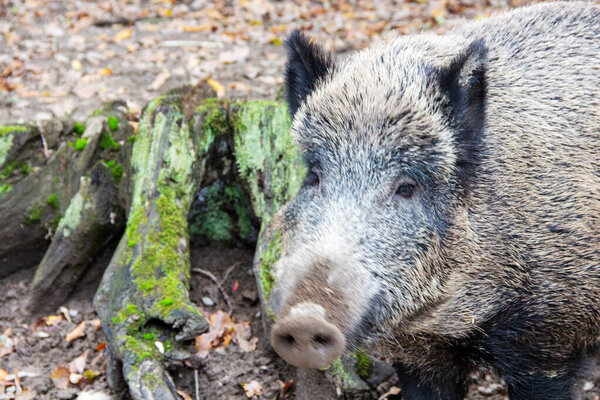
<point x="216" y="281"/>
<point x="229" y="270"/>
<point x="192" y="43"/>
<point x="196" y="385"/>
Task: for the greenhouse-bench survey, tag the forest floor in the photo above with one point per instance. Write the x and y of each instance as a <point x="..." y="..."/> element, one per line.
<point x="64" y="58"/>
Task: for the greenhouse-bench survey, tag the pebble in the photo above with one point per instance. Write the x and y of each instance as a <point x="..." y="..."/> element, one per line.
<point x="588" y="386"/>
<point x="208" y="301"/>
<point x="66" y="394"/>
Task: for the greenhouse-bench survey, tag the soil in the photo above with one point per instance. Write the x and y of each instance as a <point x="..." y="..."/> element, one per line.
<point x="63" y="58"/>
<point x="40" y="349"/>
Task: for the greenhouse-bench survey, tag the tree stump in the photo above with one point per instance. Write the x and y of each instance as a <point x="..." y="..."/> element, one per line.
<point x="198" y="169"/>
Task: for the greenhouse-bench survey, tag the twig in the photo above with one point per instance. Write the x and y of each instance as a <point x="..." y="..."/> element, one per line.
<point x="216" y="281"/>
<point x="192" y="43"/>
<point x="196" y="385"/>
<point x="231" y="268"/>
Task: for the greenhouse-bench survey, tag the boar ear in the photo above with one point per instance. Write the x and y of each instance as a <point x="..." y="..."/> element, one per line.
<point x="307" y="63"/>
<point x="464" y="83"/>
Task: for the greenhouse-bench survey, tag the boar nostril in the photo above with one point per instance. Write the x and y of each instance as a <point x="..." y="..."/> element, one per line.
<point x="307" y="341"/>
<point x="289" y="339"/>
<point x="321" y="339"/>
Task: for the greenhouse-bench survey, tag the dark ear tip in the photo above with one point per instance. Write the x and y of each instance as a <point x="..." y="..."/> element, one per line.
<point x="297" y="40"/>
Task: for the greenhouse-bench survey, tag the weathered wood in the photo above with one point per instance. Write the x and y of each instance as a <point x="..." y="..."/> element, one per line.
<point x="219" y="171"/>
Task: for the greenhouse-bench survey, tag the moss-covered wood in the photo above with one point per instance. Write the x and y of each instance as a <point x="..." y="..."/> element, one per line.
<point x="199" y="169"/>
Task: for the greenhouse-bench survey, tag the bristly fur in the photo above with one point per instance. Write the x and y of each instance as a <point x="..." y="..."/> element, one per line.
<point x="494" y="260"/>
<point x="307" y="64"/>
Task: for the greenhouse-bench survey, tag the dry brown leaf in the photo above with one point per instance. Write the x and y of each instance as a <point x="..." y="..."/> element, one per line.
<point x="25" y="394"/>
<point x="64" y="310"/>
<point x="95" y="323"/>
<point x="199" y="28"/>
<point x="392" y="392"/>
<point x="217" y="86"/>
<point x="106" y="71"/>
<point x="3" y="374"/>
<point x="252" y="388"/>
<point x="60" y="377"/>
<point x="184" y="395"/>
<point x="76" y="333"/>
<point x="160" y="80"/>
<point x="53" y="320"/>
<point x="122" y="35"/>
<point x="77" y="365"/>
<point x="284" y="387"/>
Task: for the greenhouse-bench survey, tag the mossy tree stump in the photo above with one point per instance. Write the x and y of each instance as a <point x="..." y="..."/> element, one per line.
<point x="198" y="169"/>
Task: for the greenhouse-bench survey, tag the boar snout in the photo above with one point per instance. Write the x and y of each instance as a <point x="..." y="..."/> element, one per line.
<point x="307" y="341"/>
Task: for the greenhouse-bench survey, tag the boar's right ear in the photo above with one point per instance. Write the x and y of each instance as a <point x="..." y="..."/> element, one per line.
<point x="307" y="63"/>
<point x="463" y="81"/>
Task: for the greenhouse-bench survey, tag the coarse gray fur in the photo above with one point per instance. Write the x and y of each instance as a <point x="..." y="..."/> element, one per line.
<point x="494" y="260"/>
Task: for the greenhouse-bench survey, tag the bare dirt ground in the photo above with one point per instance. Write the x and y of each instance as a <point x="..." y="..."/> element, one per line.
<point x="64" y="58"/>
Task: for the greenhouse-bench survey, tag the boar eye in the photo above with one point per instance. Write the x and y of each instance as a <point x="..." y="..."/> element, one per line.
<point x="405" y="190"/>
<point x="312" y="178"/>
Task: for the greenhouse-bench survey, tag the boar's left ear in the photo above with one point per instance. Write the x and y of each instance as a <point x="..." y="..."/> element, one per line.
<point x="464" y="83"/>
<point x="307" y="64"/>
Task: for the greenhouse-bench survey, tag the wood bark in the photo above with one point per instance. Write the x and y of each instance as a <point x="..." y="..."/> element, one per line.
<point x="198" y="169"/>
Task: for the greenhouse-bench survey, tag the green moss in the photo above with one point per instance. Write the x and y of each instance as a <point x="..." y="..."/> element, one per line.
<point x="113" y="123"/>
<point x="268" y="260"/>
<point x="131" y="243"/>
<point x="131" y="139"/>
<point x="210" y="121"/>
<point x="265" y="152"/>
<point x="79" y="204"/>
<point x="34" y="215"/>
<point x="166" y="302"/>
<point x="5" y="188"/>
<point x="107" y="142"/>
<point x="364" y="363"/>
<point x="79" y="128"/>
<point x="53" y="201"/>
<point x="26" y="168"/>
<point x="344" y="370"/>
<point x="6" y="142"/>
<point x="80" y="144"/>
<point x="148" y="336"/>
<point x="138" y="348"/>
<point x="117" y="173"/>
<point x="158" y="266"/>
<point x="6" y="129"/>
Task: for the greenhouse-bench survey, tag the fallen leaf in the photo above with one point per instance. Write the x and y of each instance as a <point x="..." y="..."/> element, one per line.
<point x="217" y="86"/>
<point x="77" y="365"/>
<point x="160" y="80"/>
<point x="100" y="346"/>
<point x="122" y="35"/>
<point x="53" y="320"/>
<point x="284" y="387"/>
<point x="60" y="377"/>
<point x="76" y="64"/>
<point x="3" y="374"/>
<point x="75" y="378"/>
<point x="25" y="394"/>
<point x="90" y="374"/>
<point x="392" y="392"/>
<point x="106" y="71"/>
<point x="252" y="388"/>
<point x="76" y="333"/>
<point x="184" y="395"/>
<point x="235" y="287"/>
<point x="95" y="323"/>
<point x="65" y="312"/>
